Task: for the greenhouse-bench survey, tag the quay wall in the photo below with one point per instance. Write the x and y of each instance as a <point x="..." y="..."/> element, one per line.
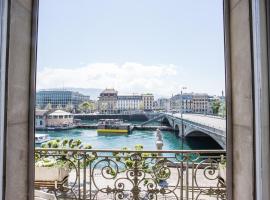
<point x="135" y="127"/>
<point x="129" y="117"/>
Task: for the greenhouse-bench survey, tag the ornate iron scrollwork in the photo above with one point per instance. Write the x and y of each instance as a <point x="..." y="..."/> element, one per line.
<point x="105" y="174"/>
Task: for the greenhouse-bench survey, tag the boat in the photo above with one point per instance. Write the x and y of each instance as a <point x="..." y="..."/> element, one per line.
<point x="41" y="138"/>
<point x="112" y="126"/>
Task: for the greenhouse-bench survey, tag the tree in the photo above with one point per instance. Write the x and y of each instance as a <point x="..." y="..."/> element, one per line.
<point x="69" y="107"/>
<point x="215" y="106"/>
<point x="86" y="106"/>
<point x="222" y="109"/>
<point x="92" y="106"/>
<point x="48" y="106"/>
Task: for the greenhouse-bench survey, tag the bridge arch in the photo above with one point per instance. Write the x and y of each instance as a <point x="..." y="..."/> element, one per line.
<point x="165" y="121"/>
<point x="200" y="135"/>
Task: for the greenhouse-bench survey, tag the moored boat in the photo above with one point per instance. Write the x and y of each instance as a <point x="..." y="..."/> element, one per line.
<point x="112" y="126"/>
<point x="41" y="138"/>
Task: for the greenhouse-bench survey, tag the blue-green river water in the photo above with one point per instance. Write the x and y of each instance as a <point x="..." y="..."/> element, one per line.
<point x="145" y="138"/>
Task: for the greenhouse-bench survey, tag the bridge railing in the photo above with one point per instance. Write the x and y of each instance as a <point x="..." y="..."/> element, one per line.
<point x="201" y="126"/>
<point x="205" y="127"/>
<point x="123" y="174"/>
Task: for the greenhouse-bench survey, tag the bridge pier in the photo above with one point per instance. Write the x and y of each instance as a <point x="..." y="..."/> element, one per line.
<point x="179" y="130"/>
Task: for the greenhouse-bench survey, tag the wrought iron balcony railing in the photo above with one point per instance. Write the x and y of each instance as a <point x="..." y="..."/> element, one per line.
<point x="124" y="174"/>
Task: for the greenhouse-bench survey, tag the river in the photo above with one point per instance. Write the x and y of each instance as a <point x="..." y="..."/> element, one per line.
<point x="145" y="138"/>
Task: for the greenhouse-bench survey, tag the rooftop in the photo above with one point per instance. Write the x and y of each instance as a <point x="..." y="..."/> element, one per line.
<point x="112" y="91"/>
<point x="59" y="112"/>
<point x="40" y="112"/>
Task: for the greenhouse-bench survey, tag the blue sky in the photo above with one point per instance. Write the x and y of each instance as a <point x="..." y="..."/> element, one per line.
<point x="134" y="46"/>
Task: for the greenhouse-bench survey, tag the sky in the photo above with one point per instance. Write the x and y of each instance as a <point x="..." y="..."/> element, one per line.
<point x="134" y="46"/>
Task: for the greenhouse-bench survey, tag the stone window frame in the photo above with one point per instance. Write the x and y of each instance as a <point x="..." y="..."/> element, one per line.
<point x="226" y="24"/>
<point x="226" y="18"/>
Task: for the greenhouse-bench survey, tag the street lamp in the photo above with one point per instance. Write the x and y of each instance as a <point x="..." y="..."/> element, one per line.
<point x="181" y="111"/>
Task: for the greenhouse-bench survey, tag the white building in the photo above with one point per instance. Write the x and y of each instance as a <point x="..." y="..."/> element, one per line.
<point x="41" y="118"/>
<point x="192" y="103"/>
<point x="129" y="103"/>
<point x="148" y="101"/>
<point x="163" y="104"/>
<point x="201" y="103"/>
<point x="60" y="118"/>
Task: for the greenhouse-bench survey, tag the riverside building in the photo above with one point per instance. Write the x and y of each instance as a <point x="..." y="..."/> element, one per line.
<point x="107" y="101"/>
<point x="148" y="101"/>
<point x="129" y="103"/>
<point x="57" y="118"/>
<point x="163" y="104"/>
<point x="191" y="103"/>
<point x="59" y="99"/>
<point x="201" y="103"/>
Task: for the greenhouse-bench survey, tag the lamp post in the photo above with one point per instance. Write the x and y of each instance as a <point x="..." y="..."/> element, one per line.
<point x="205" y="105"/>
<point x="181" y="112"/>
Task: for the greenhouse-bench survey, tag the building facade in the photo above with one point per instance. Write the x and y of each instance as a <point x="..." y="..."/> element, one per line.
<point x="107" y="101"/>
<point x="127" y="103"/>
<point x="59" y="118"/>
<point x="201" y="103"/>
<point x="61" y="99"/>
<point x="41" y="118"/>
<point x="148" y="101"/>
<point x="191" y="103"/>
<point x="163" y="104"/>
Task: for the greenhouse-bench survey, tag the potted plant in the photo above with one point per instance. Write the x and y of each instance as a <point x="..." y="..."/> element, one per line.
<point x="49" y="169"/>
<point x="55" y="168"/>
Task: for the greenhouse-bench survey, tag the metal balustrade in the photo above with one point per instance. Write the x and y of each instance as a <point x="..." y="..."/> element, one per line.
<point x="124" y="174"/>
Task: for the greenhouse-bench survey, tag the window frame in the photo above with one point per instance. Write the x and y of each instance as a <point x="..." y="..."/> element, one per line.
<point x="228" y="97"/>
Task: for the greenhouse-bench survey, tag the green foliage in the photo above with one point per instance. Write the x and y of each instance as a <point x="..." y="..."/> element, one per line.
<point x="138" y="147"/>
<point x="67" y="158"/>
<point x="146" y="162"/>
<point x="222" y="109"/>
<point x="215" y="106"/>
<point x="86" y="106"/>
<point x="88" y="146"/>
<point x="222" y="160"/>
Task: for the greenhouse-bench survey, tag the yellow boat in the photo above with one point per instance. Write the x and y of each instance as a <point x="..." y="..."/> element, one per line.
<point x="112" y="126"/>
<point x="112" y="131"/>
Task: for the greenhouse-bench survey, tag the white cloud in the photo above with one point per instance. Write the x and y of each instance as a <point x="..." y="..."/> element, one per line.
<point x="126" y="78"/>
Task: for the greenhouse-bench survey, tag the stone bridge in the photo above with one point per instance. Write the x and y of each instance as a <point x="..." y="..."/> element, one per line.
<point x="195" y="125"/>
